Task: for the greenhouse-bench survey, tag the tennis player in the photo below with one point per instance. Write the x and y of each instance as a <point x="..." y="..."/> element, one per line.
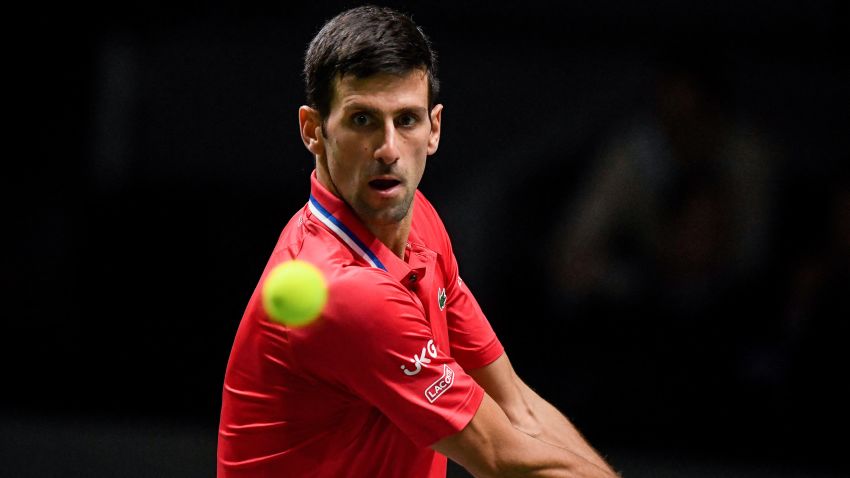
<point x="402" y="369"/>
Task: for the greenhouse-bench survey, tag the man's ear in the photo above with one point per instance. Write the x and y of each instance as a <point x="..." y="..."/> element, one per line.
<point x="310" y="124"/>
<point x="434" y="138"/>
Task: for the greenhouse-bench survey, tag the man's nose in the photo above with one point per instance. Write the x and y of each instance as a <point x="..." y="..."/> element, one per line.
<point x="387" y="152"/>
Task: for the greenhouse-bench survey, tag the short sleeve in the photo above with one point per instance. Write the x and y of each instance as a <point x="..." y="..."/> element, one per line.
<point x="374" y="340"/>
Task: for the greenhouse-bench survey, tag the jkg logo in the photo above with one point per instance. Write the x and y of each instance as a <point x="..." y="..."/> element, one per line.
<point x="421" y="359"/>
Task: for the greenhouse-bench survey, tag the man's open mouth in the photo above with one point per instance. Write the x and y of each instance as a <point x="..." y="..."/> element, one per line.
<point x="383" y="184"/>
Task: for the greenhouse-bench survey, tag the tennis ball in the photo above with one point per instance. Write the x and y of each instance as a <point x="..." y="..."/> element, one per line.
<point x="294" y="293"/>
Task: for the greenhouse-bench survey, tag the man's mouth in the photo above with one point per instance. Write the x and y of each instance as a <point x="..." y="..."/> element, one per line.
<point x="384" y="184"/>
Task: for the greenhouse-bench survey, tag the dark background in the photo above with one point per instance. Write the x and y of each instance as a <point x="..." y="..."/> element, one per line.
<point x="158" y="159"/>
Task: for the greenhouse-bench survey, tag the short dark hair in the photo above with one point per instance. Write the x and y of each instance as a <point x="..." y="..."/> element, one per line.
<point x="365" y="41"/>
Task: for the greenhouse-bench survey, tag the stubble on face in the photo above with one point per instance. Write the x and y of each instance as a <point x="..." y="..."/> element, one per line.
<point x="356" y="156"/>
<point x="384" y="215"/>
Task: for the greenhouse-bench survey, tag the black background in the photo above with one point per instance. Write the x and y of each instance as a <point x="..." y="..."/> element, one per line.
<point x="158" y="158"/>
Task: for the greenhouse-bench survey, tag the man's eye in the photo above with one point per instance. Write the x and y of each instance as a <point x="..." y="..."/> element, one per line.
<point x="360" y="119"/>
<point x="407" y="120"/>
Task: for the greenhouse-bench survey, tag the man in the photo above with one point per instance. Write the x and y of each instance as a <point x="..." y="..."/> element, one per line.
<point x="402" y="369"/>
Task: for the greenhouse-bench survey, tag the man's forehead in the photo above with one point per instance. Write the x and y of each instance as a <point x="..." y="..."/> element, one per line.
<point x="408" y="87"/>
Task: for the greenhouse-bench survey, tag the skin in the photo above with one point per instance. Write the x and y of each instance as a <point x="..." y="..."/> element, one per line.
<point x="517" y="433"/>
<point x="378" y="128"/>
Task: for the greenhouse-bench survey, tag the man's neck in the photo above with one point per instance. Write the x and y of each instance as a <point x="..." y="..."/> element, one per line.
<point x="394" y="236"/>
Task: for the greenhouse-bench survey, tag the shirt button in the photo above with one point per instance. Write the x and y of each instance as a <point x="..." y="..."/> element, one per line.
<point x="412" y="277"/>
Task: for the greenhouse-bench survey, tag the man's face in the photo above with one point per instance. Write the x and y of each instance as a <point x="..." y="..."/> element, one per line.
<point x="376" y="139"/>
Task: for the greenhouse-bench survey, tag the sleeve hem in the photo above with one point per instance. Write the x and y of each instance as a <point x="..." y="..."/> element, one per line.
<point x="485" y="356"/>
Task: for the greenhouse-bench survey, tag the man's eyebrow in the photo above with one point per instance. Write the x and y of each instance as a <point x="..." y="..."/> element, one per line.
<point x="359" y="107"/>
<point x="355" y="106"/>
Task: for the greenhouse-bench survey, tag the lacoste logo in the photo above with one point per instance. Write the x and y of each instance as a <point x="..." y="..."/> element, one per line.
<point x="441" y="298"/>
<point x="439" y="387"/>
<point x="421" y="359"/>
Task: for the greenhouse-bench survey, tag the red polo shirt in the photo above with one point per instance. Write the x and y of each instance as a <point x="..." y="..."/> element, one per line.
<point x="379" y="377"/>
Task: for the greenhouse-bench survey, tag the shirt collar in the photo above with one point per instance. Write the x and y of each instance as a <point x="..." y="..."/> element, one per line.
<point x="337" y="216"/>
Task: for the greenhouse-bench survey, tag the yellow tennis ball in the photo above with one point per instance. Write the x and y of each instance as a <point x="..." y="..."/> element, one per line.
<point x="294" y="293"/>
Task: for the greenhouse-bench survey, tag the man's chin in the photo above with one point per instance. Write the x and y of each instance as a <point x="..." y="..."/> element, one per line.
<point x="385" y="216"/>
<point x="391" y="217"/>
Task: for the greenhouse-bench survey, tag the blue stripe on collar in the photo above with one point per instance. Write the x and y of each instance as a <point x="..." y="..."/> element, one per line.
<point x="344" y="233"/>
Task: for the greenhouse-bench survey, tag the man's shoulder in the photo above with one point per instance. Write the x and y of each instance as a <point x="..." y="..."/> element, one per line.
<point x="364" y="305"/>
<point x="429" y="227"/>
<point x="423" y="206"/>
<point x="306" y="239"/>
<point x="426" y="220"/>
<point x="363" y="292"/>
